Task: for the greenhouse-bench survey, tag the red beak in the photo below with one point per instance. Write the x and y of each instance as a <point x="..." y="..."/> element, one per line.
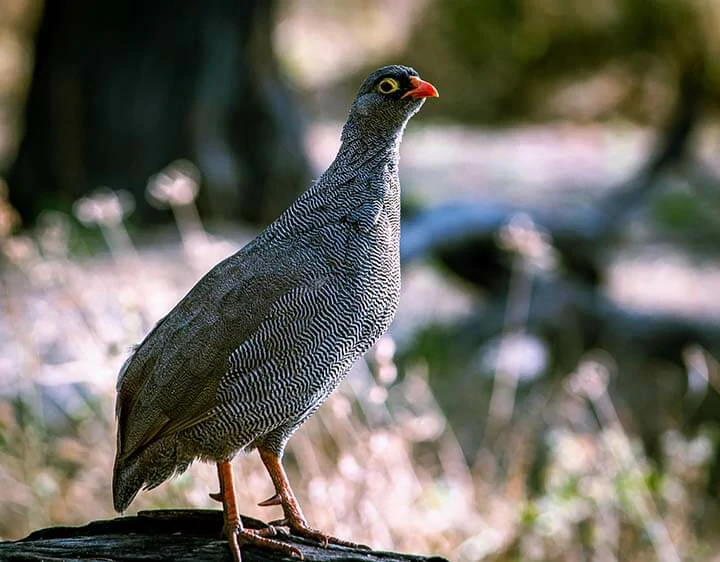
<point x="421" y="89"/>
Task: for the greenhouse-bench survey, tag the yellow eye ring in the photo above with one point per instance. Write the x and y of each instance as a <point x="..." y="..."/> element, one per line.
<point x="388" y="86"/>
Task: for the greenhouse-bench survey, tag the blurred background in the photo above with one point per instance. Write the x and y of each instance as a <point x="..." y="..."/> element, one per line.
<point x="550" y="387"/>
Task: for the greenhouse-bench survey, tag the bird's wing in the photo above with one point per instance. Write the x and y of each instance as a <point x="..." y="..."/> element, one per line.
<point x="170" y="381"/>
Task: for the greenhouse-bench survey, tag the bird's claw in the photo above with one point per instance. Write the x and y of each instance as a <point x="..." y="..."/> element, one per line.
<point x="274" y="500"/>
<point x="301" y="529"/>
<point x="258" y="537"/>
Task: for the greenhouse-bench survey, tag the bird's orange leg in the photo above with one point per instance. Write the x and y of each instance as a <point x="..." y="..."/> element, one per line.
<point x="234" y="530"/>
<point x="294" y="518"/>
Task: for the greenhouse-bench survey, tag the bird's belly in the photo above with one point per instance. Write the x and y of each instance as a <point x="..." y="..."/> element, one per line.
<point x="277" y="378"/>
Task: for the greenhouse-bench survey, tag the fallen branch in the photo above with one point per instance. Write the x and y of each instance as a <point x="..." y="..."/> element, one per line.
<point x="171" y="535"/>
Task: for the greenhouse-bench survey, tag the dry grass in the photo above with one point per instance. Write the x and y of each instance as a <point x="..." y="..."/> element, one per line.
<point x="378" y="464"/>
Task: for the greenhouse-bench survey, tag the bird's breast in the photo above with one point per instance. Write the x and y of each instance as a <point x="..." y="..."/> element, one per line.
<point x="376" y="276"/>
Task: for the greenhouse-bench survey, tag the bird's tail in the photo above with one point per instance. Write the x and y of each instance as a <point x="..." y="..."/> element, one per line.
<point x="128" y="478"/>
<point x="147" y="469"/>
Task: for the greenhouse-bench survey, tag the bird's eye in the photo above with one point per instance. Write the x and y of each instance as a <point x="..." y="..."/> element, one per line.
<point x="388" y="86"/>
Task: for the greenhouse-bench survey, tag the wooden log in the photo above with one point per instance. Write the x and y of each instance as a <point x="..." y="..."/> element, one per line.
<point x="172" y="535"/>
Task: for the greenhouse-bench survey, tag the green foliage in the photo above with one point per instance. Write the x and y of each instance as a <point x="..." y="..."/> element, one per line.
<point x="507" y="60"/>
<point x="677" y="209"/>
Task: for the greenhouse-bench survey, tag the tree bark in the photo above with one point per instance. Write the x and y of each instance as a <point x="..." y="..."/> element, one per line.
<point x="171" y="535"/>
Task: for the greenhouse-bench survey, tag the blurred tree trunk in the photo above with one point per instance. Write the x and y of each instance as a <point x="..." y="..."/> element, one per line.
<point x="121" y="88"/>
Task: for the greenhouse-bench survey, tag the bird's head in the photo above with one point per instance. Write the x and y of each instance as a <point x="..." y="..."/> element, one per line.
<point x="389" y="97"/>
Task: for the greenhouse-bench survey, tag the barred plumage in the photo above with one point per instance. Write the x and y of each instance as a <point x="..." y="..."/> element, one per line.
<point x="262" y="340"/>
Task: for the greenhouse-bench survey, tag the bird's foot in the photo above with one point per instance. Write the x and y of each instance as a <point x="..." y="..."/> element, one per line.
<point x="299" y="528"/>
<point x="294" y="519"/>
<point x="238" y="537"/>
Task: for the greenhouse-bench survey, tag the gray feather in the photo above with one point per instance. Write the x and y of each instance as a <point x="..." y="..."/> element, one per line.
<point x="264" y="338"/>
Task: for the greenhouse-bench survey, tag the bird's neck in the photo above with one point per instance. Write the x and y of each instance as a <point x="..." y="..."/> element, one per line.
<point x="369" y="137"/>
<point x="369" y="159"/>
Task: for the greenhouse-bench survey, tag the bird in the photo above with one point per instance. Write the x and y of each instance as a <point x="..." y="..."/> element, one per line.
<point x="262" y="340"/>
